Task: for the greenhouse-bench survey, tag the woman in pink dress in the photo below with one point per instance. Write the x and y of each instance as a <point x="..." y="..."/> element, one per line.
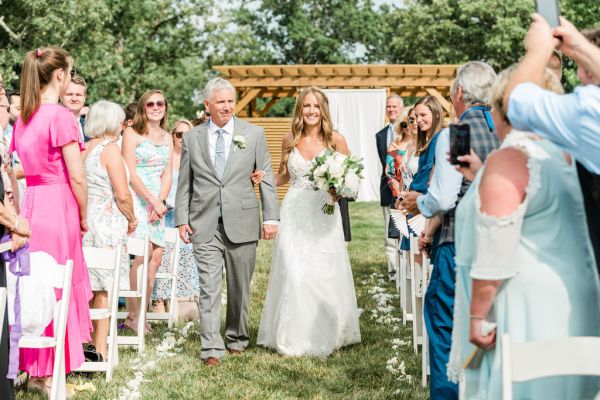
<point x="47" y="141"/>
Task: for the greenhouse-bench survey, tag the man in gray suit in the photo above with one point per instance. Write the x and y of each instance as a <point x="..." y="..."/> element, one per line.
<point x="217" y="210"/>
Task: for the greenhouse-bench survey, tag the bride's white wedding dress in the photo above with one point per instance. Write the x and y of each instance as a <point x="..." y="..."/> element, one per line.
<point x="310" y="307"/>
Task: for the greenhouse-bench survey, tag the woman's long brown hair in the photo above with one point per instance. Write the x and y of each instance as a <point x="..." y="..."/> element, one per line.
<point x="437" y="122"/>
<point x="326" y="131"/>
<point x="38" y="67"/>
<point x="140" y="120"/>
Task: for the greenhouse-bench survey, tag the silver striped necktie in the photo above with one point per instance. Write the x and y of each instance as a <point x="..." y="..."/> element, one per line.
<point x="220" y="155"/>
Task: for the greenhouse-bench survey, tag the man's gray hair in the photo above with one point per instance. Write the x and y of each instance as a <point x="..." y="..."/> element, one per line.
<point x="395" y="96"/>
<point x="104" y="117"/>
<point x="476" y="78"/>
<point x="216" y="84"/>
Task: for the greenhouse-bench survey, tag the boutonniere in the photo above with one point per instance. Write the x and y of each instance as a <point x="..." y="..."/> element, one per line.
<point x="240" y="142"/>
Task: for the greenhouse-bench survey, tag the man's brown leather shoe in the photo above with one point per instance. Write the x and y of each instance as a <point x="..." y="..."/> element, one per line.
<point x="234" y="352"/>
<point x="210" y="361"/>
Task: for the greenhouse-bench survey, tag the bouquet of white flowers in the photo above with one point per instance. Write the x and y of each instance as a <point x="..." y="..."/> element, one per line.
<point x="336" y="174"/>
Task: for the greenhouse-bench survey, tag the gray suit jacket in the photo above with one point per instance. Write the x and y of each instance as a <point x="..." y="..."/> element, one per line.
<point x="200" y="193"/>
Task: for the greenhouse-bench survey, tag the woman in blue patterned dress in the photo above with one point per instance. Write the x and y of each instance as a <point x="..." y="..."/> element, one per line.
<point x="147" y="150"/>
<point x="188" y="283"/>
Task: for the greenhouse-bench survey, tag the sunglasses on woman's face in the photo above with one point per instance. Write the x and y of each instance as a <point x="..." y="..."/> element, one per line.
<point x="178" y="134"/>
<point x="159" y="104"/>
<point x="412" y="121"/>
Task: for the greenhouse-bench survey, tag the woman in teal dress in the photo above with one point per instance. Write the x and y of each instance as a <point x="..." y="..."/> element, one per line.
<point x="524" y="262"/>
<point x="147" y="149"/>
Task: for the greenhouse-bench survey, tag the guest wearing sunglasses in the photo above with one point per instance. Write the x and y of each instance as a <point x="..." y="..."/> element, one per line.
<point x="147" y="149"/>
<point x="188" y="282"/>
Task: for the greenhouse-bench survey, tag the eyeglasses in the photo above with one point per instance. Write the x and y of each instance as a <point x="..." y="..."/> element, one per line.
<point x="412" y="121"/>
<point x="73" y="72"/>
<point x="159" y="104"/>
<point x="178" y="134"/>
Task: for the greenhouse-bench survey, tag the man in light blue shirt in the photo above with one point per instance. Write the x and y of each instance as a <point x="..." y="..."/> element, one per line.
<point x="572" y="121"/>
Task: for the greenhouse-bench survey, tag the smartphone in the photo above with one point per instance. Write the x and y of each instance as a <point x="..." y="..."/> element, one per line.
<point x="460" y="142"/>
<point x="549" y="10"/>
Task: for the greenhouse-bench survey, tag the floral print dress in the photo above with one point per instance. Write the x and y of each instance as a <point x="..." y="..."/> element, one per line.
<point x="188" y="281"/>
<point x="106" y="223"/>
<point x="150" y="161"/>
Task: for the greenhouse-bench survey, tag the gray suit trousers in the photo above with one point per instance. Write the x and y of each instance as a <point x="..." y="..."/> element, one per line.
<point x="239" y="260"/>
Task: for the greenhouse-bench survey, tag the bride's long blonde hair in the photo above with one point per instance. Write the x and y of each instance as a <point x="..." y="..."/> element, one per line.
<point x="326" y="131"/>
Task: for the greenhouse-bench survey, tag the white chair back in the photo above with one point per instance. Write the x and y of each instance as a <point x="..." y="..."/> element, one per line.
<point x="532" y="360"/>
<point x="139" y="248"/>
<point x="3" y="298"/>
<point x="417" y="295"/>
<point x="106" y="259"/>
<point x="172" y="238"/>
<point x="61" y="279"/>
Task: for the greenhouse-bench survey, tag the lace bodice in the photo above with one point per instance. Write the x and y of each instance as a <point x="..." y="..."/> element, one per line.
<point x="299" y="167"/>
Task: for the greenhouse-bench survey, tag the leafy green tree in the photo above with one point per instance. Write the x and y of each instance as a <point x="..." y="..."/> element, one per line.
<point x="317" y="31"/>
<point x="121" y="47"/>
<point x="456" y="31"/>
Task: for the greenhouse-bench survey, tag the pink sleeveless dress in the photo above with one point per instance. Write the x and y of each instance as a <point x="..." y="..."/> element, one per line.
<point x="53" y="214"/>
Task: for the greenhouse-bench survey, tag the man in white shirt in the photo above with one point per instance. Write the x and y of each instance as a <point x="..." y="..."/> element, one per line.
<point x="393" y="110"/>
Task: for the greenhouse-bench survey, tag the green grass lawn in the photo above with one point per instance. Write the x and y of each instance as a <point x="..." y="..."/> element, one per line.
<point x="355" y="372"/>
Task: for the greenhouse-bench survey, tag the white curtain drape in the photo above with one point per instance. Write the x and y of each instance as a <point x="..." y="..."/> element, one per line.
<point x="359" y="114"/>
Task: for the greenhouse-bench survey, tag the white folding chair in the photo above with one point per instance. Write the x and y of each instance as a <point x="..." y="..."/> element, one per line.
<point x="407" y="310"/>
<point x="417" y="296"/>
<point x="425" y="371"/>
<point x="61" y="275"/>
<point x="171" y="237"/>
<point x="141" y="248"/>
<point x="105" y="259"/>
<point x="3" y="298"/>
<point x="532" y="360"/>
<point x="399" y="273"/>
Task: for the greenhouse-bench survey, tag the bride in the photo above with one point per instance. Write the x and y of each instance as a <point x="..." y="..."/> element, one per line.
<point x="310" y="308"/>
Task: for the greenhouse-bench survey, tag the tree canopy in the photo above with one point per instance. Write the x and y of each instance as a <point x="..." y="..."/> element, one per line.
<point x="125" y="47"/>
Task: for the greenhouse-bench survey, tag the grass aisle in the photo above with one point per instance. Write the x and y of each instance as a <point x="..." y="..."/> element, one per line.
<point x="383" y="366"/>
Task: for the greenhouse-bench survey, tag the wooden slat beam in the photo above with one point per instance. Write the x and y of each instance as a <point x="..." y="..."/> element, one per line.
<point x="359" y="82"/>
<point x="267" y="106"/>
<point x="247" y="98"/>
<point x="445" y="103"/>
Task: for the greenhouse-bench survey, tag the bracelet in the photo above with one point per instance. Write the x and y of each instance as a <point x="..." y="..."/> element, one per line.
<point x="477" y="317"/>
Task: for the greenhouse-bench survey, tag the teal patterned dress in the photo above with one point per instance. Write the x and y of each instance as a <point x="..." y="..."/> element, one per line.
<point x="150" y="161"/>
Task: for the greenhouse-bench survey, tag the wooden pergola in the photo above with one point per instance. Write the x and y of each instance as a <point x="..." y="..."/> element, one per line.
<point x="273" y="82"/>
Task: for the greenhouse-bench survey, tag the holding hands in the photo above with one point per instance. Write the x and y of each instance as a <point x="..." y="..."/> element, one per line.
<point x="20" y="233"/>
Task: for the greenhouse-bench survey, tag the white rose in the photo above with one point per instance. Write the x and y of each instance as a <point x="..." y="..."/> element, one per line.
<point x="320" y="171"/>
<point x="352" y="182"/>
<point x="321" y="183"/>
<point x="345" y="192"/>
<point x="336" y="170"/>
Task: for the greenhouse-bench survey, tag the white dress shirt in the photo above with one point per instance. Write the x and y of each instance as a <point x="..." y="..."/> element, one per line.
<point x="445" y="183"/>
<point x="390" y="134"/>
<point x="229" y="128"/>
